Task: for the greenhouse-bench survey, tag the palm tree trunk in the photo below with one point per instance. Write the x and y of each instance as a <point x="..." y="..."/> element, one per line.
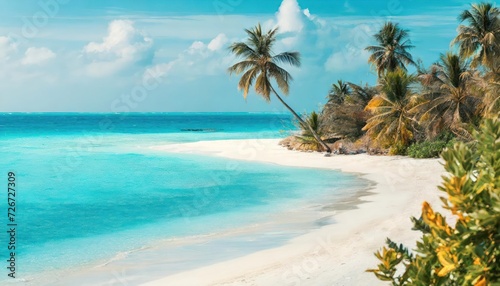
<point x="303" y="123"/>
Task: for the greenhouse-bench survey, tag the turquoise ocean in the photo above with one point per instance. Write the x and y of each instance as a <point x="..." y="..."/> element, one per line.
<point x="89" y="189"/>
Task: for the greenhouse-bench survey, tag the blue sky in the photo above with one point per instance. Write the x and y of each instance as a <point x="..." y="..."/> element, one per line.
<point x="141" y="56"/>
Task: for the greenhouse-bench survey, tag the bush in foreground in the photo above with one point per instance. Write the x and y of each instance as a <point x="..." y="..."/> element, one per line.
<point x="468" y="252"/>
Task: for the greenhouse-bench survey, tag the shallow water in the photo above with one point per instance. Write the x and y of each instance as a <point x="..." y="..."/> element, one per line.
<point x="88" y="195"/>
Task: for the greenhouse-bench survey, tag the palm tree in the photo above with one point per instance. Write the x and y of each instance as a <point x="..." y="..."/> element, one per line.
<point x="313" y="119"/>
<point x="449" y="102"/>
<point x="391" y="120"/>
<point x="391" y="52"/>
<point x="345" y="115"/>
<point x="490" y="85"/>
<point x="361" y="94"/>
<point x="259" y="64"/>
<point x="480" y="39"/>
<point x="306" y="138"/>
<point x="339" y="92"/>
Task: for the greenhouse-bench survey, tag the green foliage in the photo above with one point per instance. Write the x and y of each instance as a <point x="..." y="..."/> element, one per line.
<point x="479" y="38"/>
<point x="260" y="67"/>
<point x="468" y="252"/>
<point x="391" y="122"/>
<point x="314" y="121"/>
<point x="339" y="92"/>
<point x="447" y="99"/>
<point x="391" y="52"/>
<point x="308" y="142"/>
<point x="398" y="148"/>
<point x="345" y="115"/>
<point x="454" y="94"/>
<point x="428" y="149"/>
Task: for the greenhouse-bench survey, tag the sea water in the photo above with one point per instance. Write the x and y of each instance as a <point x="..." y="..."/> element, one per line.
<point x="88" y="187"/>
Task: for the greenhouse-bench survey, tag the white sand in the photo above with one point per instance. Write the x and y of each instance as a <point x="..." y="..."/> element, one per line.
<point x="336" y="254"/>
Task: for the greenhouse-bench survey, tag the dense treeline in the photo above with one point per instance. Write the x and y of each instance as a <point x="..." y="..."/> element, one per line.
<point x="456" y="98"/>
<point x="418" y="114"/>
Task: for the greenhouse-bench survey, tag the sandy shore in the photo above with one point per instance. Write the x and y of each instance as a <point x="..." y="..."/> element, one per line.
<point x="337" y="254"/>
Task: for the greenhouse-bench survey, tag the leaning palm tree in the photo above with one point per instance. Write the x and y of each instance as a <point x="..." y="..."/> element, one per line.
<point x="259" y="64"/>
<point x="391" y="121"/>
<point x="391" y="52"/>
<point x="480" y="39"/>
<point x="449" y="101"/>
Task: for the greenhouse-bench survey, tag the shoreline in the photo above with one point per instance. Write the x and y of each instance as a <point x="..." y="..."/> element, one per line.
<point x="273" y="229"/>
<point x="329" y="240"/>
<point x="337" y="253"/>
<point x="138" y="266"/>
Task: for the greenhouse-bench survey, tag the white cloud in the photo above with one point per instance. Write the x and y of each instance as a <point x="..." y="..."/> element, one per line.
<point x="7" y="48"/>
<point x="34" y="55"/>
<point x="314" y="18"/>
<point x="123" y="46"/>
<point x="19" y="67"/>
<point x="307" y="13"/>
<point x="123" y="40"/>
<point x="290" y="20"/>
<point x="349" y="59"/>
<point x="199" y="59"/>
<point x="196" y="47"/>
<point x="158" y="71"/>
<point x="218" y="42"/>
<point x="289" y="17"/>
<point x="351" y="55"/>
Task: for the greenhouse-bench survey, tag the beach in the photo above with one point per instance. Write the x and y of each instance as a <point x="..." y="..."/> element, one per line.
<point x="249" y="143"/>
<point x="337" y="253"/>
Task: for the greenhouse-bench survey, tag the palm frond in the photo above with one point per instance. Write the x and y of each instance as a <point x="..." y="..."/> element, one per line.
<point x="241" y="67"/>
<point x="246" y="80"/>
<point x="479" y="38"/>
<point x="243" y="50"/>
<point x="391" y="53"/>
<point x="281" y="76"/>
<point x="263" y="86"/>
<point x="291" y="58"/>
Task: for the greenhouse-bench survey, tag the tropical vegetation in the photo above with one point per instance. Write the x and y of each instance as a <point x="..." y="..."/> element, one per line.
<point x="449" y="101"/>
<point x="306" y="140"/>
<point x="464" y="250"/>
<point x="391" y="121"/>
<point x="391" y="53"/>
<point x="451" y="105"/>
<point x="260" y="66"/>
<point x="411" y="107"/>
<point x="479" y="39"/>
<point x="408" y="113"/>
<point x="344" y="114"/>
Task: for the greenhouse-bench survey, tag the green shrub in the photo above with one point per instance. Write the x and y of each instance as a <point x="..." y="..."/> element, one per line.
<point x="428" y="149"/>
<point x="467" y="250"/>
<point x="398" y="149"/>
